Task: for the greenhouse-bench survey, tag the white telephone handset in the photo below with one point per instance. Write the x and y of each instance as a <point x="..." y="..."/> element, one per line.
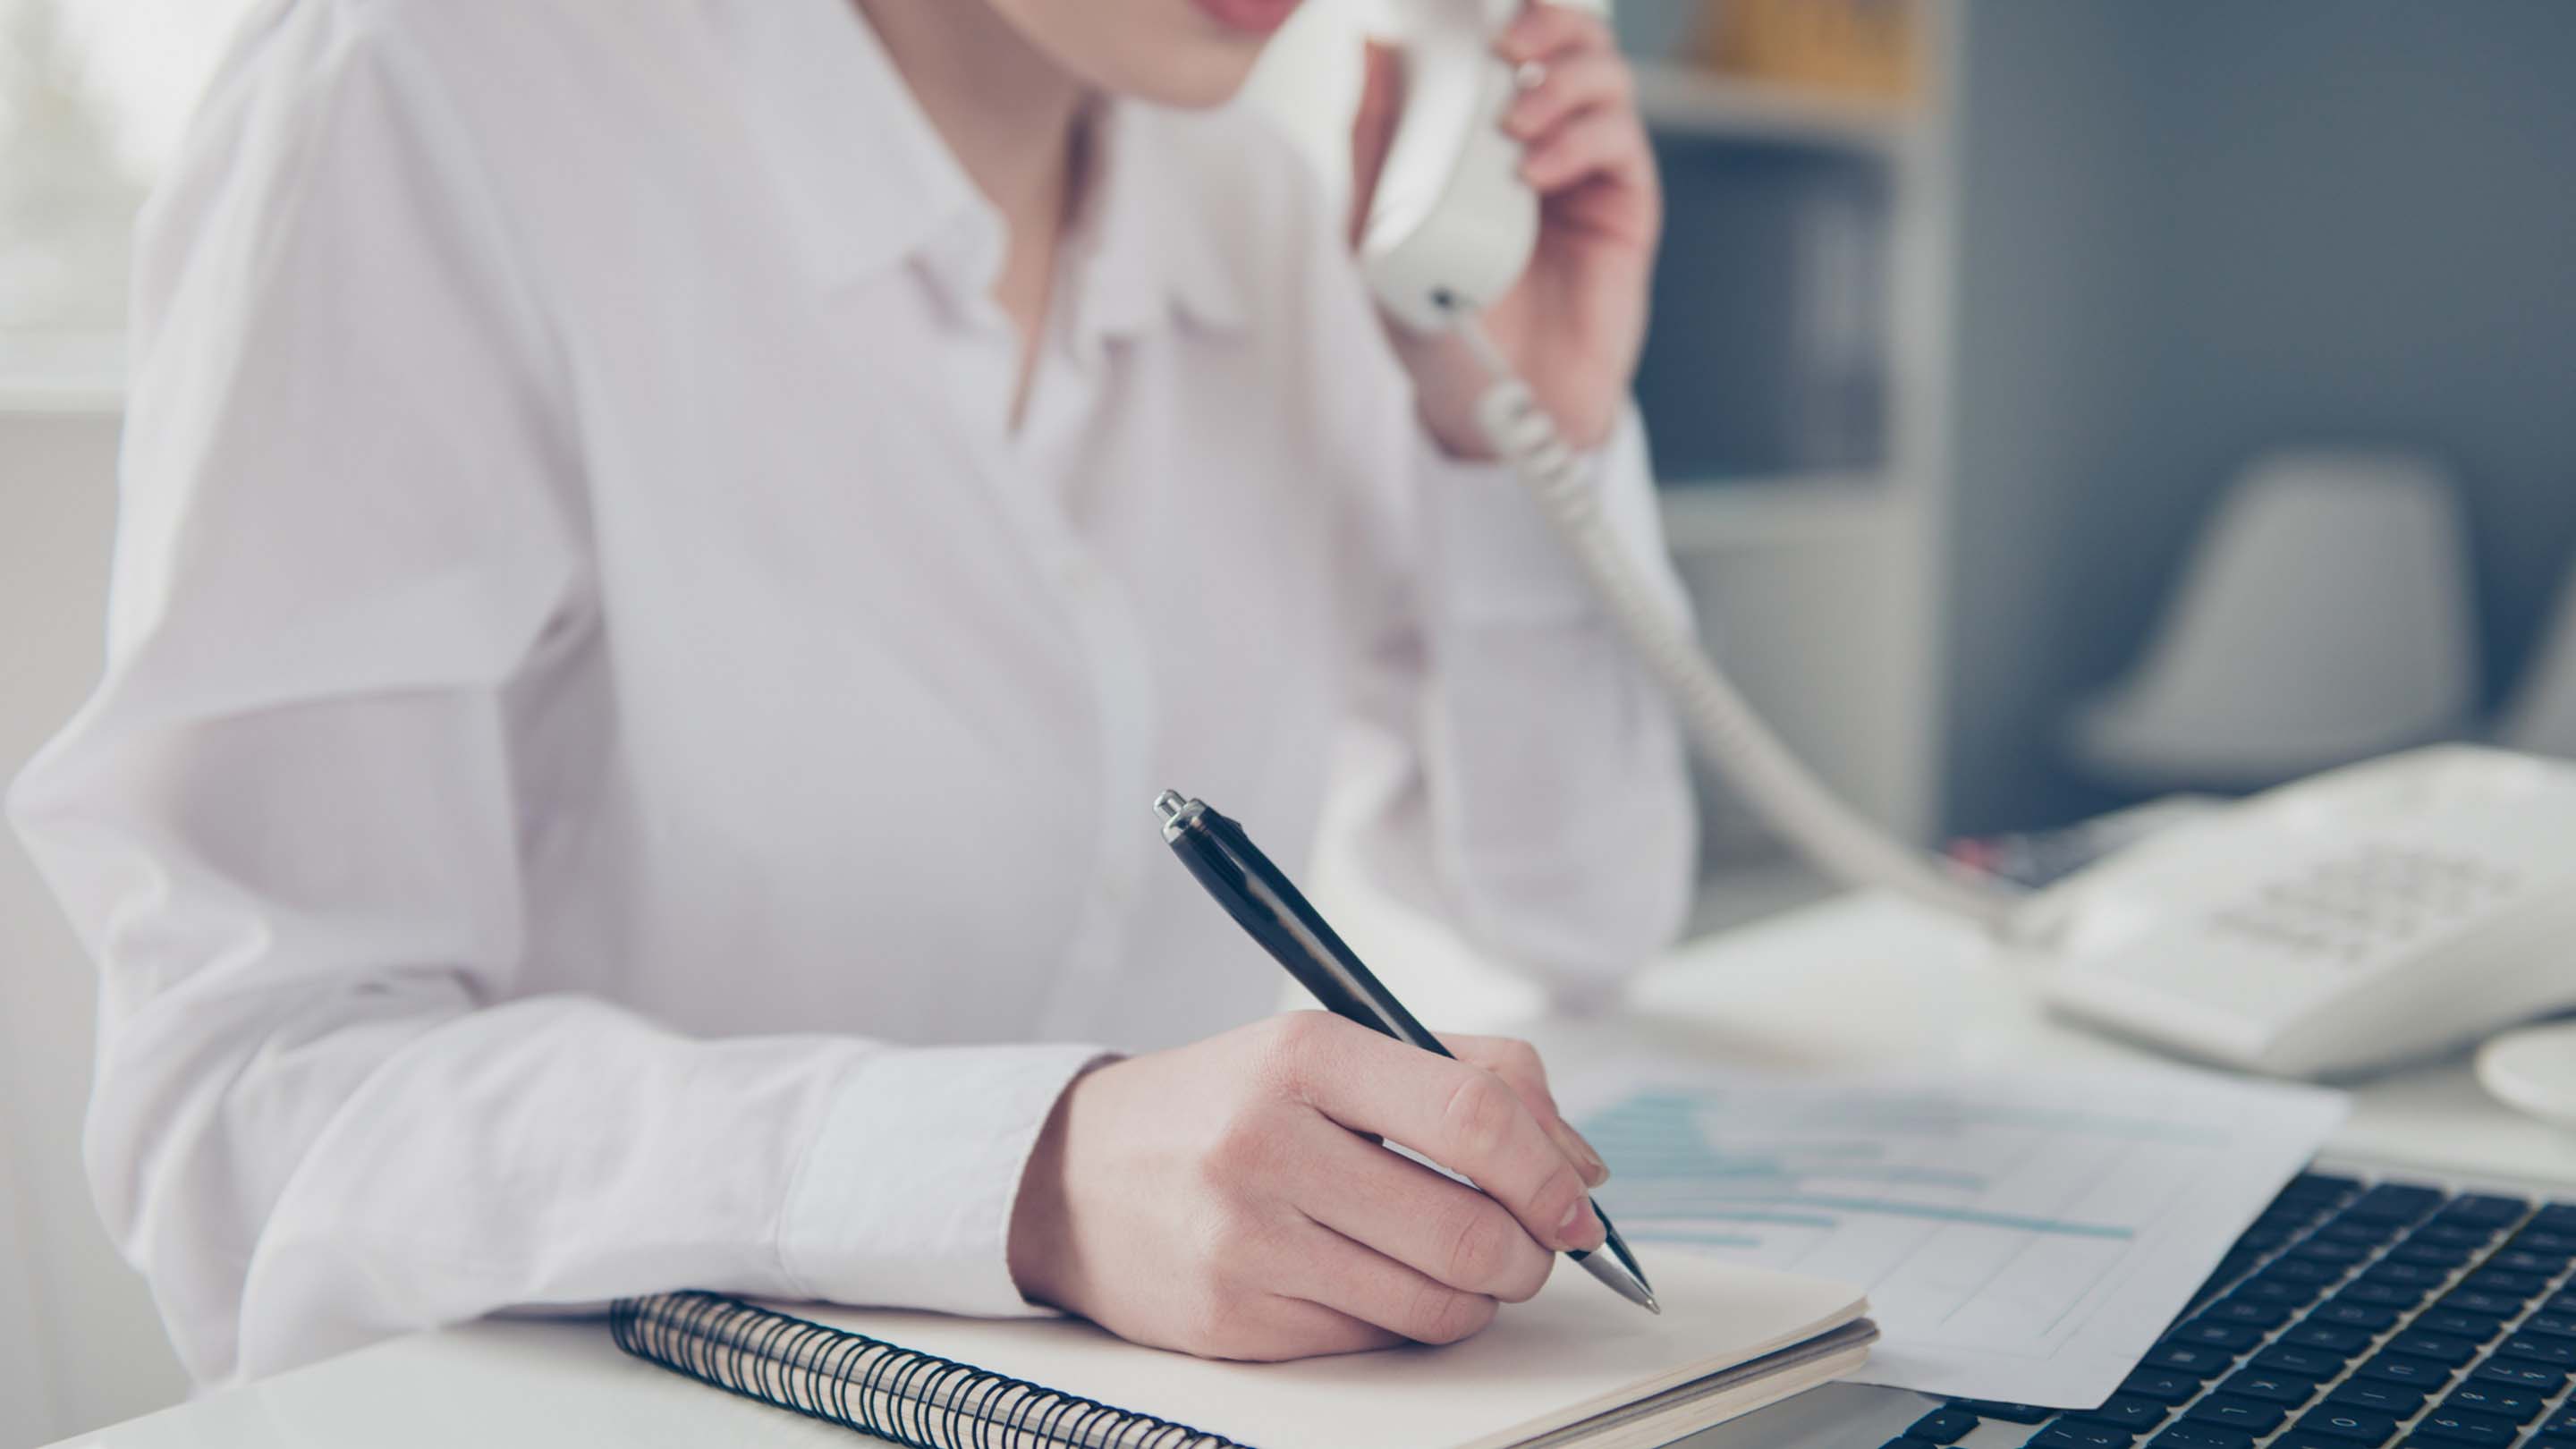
<point x="2365" y="917"/>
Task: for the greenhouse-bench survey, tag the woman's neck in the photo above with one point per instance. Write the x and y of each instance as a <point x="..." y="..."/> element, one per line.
<point x="1011" y="116"/>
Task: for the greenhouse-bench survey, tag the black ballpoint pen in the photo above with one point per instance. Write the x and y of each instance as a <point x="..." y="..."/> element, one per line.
<point x="1262" y="901"/>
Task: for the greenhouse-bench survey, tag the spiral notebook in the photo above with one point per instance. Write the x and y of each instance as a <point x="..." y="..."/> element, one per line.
<point x="1576" y="1366"/>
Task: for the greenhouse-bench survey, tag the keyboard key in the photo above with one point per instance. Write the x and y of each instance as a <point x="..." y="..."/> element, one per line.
<point x="2311" y="1186"/>
<point x="2349" y="1426"/>
<point x="2009" y="1413"/>
<point x="2550" y="1324"/>
<point x="2523" y="1260"/>
<point x="2452" y="1235"/>
<point x="2234" y="1337"/>
<point x="2558" y="1217"/>
<point x="2361" y="1232"/>
<point x="2522" y="1287"/>
<point x="1903" y="1441"/>
<point x="2466" y="1427"/>
<point x="2395" y="1400"/>
<point x="2330" y="1252"/>
<point x="2442" y="1348"/>
<point x="2485" y="1211"/>
<point x="2299" y="1270"/>
<point x="2380" y="1295"/>
<point x="2201" y="1436"/>
<point x="2562" y="1422"/>
<point x="2519" y="1405"/>
<point x="2230" y="1412"/>
<point x="2337" y="1313"/>
<point x="2162" y="1385"/>
<point x="2396" y="1201"/>
<point x="2133" y="1414"/>
<point x="2476" y="1327"/>
<point x="2539" y="1240"/>
<point x="2398" y="1368"/>
<point x="2332" y="1337"/>
<point x="2068" y="1434"/>
<point x="2287" y="1390"/>
<point x="2445" y="1256"/>
<point x="2251" y="1314"/>
<point x="1942" y="1426"/>
<point x="2306" y="1363"/>
<point x="2200" y="1360"/>
<point x="2540" y="1378"/>
<point x="2297" y="1438"/>
<point x="2558" y="1353"/>
<point x="2263" y="1288"/>
<point x="2406" y="1275"/>
<point x="2493" y="1305"/>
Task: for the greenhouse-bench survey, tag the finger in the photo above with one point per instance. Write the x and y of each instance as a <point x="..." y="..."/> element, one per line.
<point x="1462" y="1117"/>
<point x="1517" y="1063"/>
<point x="1359" y="1281"/>
<point x="1545" y="33"/>
<point x="1285" y="1328"/>
<point x="1595" y="143"/>
<point x="1437" y="1227"/>
<point x="1373" y="127"/>
<point x="1584" y="82"/>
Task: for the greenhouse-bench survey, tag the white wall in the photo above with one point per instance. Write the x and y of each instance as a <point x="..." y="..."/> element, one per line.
<point x="80" y="1344"/>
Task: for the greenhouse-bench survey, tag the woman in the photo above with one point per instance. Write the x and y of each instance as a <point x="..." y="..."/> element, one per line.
<point x="667" y="549"/>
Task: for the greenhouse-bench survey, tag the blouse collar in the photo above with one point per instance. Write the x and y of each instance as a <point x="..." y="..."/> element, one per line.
<point x="868" y="184"/>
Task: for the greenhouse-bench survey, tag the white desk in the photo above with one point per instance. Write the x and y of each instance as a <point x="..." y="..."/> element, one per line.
<point x="1851" y="982"/>
<point x="1870" y="979"/>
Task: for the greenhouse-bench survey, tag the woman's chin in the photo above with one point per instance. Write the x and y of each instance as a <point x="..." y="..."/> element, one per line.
<point x="1194" y="75"/>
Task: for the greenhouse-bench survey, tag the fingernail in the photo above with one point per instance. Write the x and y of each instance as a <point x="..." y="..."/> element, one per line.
<point x="1579" y="1152"/>
<point x="1581" y="1228"/>
<point x="1595" y="1171"/>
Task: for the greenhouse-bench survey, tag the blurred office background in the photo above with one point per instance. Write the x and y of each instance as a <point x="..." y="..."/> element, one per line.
<point x="1973" y="316"/>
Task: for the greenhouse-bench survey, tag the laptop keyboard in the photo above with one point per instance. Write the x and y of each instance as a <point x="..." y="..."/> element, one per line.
<point x="2349" y="1316"/>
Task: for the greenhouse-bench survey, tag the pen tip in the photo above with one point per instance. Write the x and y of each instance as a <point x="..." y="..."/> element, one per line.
<point x="1652" y="1306"/>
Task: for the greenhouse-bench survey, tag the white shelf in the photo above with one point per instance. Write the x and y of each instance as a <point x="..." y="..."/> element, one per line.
<point x="79" y="373"/>
<point x="1688" y="101"/>
<point x="60" y="396"/>
<point x="1758" y="512"/>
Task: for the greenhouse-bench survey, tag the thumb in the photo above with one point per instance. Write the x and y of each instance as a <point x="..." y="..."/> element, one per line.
<point x="1373" y="127"/>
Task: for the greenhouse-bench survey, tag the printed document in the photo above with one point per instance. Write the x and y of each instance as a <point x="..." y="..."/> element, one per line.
<point x="2022" y="1237"/>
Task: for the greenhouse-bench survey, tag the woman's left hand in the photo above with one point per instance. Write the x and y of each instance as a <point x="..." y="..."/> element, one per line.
<point x="1574" y="323"/>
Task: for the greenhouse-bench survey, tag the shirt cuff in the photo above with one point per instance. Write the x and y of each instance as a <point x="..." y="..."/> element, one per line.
<point x="1494" y="558"/>
<point x="904" y="1198"/>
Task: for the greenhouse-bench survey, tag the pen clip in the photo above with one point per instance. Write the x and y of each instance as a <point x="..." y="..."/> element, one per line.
<point x="1277" y="915"/>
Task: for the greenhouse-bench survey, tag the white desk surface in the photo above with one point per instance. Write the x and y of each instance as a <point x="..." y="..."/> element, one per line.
<point x="1852" y="982"/>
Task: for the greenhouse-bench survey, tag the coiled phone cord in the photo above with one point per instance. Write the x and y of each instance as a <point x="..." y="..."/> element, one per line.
<point x="1730" y="735"/>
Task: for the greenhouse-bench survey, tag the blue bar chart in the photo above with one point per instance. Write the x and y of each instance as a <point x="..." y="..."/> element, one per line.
<point x="2019" y="1237"/>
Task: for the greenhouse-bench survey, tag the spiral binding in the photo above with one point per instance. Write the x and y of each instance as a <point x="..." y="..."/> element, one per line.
<point x="867" y="1384"/>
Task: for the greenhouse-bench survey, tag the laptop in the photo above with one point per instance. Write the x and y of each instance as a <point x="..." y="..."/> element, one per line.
<point x="2364" y="1308"/>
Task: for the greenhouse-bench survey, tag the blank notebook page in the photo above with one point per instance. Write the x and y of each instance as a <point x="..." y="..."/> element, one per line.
<point x="1574" y="1351"/>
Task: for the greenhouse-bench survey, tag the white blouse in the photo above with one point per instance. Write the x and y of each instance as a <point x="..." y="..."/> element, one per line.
<point x="618" y="769"/>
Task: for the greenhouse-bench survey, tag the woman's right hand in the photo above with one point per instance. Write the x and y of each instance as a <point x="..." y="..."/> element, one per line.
<point x="1226" y="1198"/>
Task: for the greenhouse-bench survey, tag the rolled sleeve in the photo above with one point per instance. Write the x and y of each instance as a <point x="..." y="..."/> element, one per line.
<point x="1538" y="798"/>
<point x="1495" y="559"/>
<point x="906" y="1192"/>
